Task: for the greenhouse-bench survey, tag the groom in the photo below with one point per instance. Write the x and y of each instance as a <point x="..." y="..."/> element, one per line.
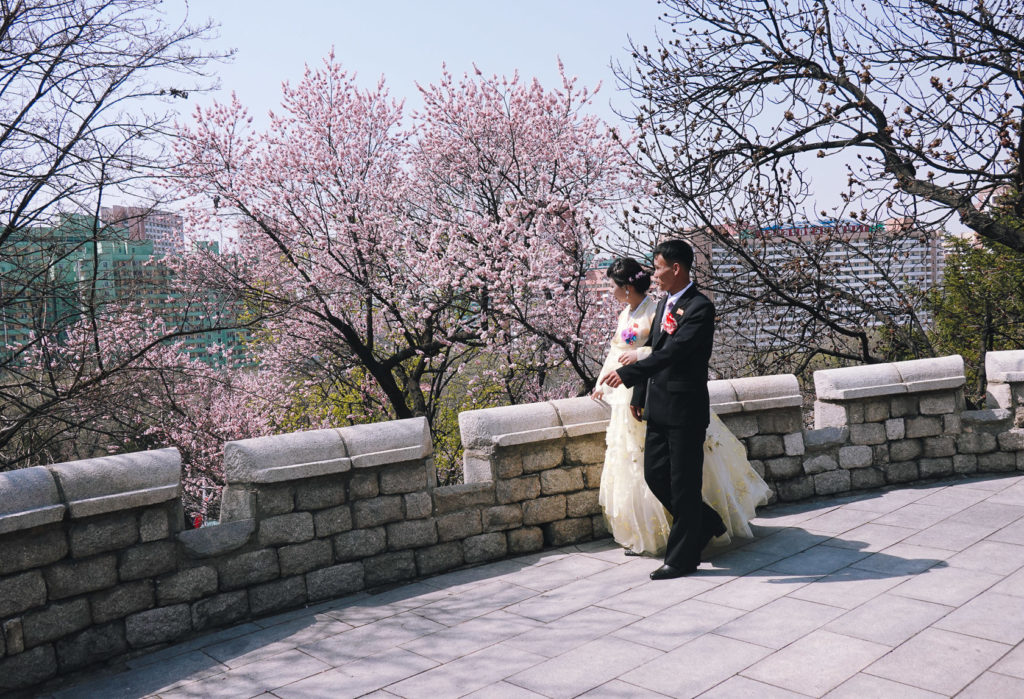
<point x="672" y="394"/>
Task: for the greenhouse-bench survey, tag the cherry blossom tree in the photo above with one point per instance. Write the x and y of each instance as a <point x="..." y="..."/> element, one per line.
<point x="383" y="259"/>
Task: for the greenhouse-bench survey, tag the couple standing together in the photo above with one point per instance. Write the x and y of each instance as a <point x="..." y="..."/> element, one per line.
<point x="699" y="484"/>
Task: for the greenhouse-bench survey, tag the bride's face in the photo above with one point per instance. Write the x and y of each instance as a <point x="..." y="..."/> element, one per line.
<point x="621" y="293"/>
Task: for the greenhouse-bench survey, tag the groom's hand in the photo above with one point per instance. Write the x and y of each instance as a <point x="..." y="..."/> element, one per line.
<point x="612" y="379"/>
<point x="637" y="413"/>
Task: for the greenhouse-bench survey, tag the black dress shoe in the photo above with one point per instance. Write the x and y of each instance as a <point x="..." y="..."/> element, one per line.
<point x="667" y="572"/>
<point x="631" y="552"/>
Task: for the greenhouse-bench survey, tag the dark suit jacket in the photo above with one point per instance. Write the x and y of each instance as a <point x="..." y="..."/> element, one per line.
<point x="671" y="385"/>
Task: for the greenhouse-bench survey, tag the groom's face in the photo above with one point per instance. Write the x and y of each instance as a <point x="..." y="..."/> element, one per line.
<point x="668" y="276"/>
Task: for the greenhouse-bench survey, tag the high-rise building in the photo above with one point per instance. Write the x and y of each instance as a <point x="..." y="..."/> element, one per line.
<point x="163" y="228"/>
<point x="852" y="264"/>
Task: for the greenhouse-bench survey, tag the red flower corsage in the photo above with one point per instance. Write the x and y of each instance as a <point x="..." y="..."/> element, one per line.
<point x="670" y="325"/>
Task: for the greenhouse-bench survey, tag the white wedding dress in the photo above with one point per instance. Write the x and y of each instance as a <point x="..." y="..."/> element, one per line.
<point x="636" y="519"/>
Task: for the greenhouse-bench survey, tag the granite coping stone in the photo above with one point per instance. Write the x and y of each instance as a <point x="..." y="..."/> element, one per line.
<point x="124" y="481"/>
<point x="1005" y="366"/>
<point x="28" y="498"/>
<point x="867" y="381"/>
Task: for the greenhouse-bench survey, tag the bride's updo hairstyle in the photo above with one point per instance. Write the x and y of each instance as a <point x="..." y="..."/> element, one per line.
<point x="626" y="270"/>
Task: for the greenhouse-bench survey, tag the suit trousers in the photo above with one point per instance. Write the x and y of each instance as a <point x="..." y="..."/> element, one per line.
<point x="674" y="471"/>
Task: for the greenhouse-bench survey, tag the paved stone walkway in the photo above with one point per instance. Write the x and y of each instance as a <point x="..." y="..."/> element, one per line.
<point x="915" y="592"/>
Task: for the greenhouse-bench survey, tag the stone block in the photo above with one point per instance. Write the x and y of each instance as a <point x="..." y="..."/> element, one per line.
<point x="793" y="443"/>
<point x="147" y="560"/>
<point x="56" y="621"/>
<point x="332" y="521"/>
<point x="27" y="669"/>
<point x="543" y="510"/>
<point x="568" y="531"/>
<point x="14" y="636"/>
<point x="784" y="467"/>
<point x="819" y="464"/>
<point x="411" y="534"/>
<point x="78" y="577"/>
<point x="452" y="498"/>
<point x="952" y="424"/>
<point x="868" y="433"/>
<point x="418" y="505"/>
<point x="220" y="610"/>
<point x="459" y="525"/>
<point x="21" y="592"/>
<point x="541" y="457"/>
<point x="895" y="428"/>
<point x="880" y="454"/>
<point x="592" y="475"/>
<point x="935" y="467"/>
<point x="484" y="547"/>
<point x="525" y="540"/>
<point x="300" y="558"/>
<point x="586" y="449"/>
<point x="376" y="511"/>
<point x="121" y="601"/>
<point x="359" y="543"/>
<point x="561" y="480"/>
<point x="901" y="472"/>
<point x="406" y="478"/>
<point x="186" y="586"/>
<point x="742" y="426"/>
<point x="864" y="478"/>
<point x="154" y="525"/>
<point x="440" y="558"/>
<point x="502" y="517"/>
<point x="965" y="463"/>
<point x="779" y="421"/>
<point x="335" y="581"/>
<point x="363" y="486"/>
<point x="923" y="427"/>
<point x="859" y="456"/>
<point x="903" y="406"/>
<point x="279" y="595"/>
<point x="1020" y="460"/>
<point x="223" y="538"/>
<point x="933" y="447"/>
<point x="762" y="446"/>
<point x="517" y="489"/>
<point x="507" y="463"/>
<point x="582" y="504"/>
<point x="997" y="462"/>
<point x="31" y="549"/>
<point x="1012" y="440"/>
<point x="29" y="498"/>
<point x="904" y="450"/>
<point x="92" y="646"/>
<point x="103" y="533"/>
<point x="855" y="412"/>
<point x="274" y="500"/>
<point x="248" y="569"/>
<point x="795" y="488"/>
<point x="237" y="502"/>
<point x="937" y="403"/>
<point x="831" y="482"/>
<point x="600" y="527"/>
<point x="876" y="410"/>
<point x="389" y="568"/>
<point x="291" y="528"/>
<point x="825" y="438"/>
<point x="320" y="493"/>
<point x="758" y="467"/>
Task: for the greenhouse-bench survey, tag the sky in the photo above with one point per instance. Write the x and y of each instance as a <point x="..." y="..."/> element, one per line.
<point x="409" y="41"/>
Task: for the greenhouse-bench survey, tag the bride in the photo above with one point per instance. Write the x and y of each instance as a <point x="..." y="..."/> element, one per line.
<point x="636" y="519"/>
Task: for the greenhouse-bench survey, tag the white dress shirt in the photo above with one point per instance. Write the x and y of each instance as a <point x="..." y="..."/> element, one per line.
<point x="671" y="301"/>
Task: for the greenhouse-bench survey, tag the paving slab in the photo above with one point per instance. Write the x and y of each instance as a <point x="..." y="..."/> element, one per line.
<point x="911" y="592"/>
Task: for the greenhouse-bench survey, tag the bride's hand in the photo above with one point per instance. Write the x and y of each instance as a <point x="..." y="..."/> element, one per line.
<point x="627" y="357"/>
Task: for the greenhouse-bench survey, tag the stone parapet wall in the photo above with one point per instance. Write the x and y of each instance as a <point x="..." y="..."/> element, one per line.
<point x="96" y="564"/>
